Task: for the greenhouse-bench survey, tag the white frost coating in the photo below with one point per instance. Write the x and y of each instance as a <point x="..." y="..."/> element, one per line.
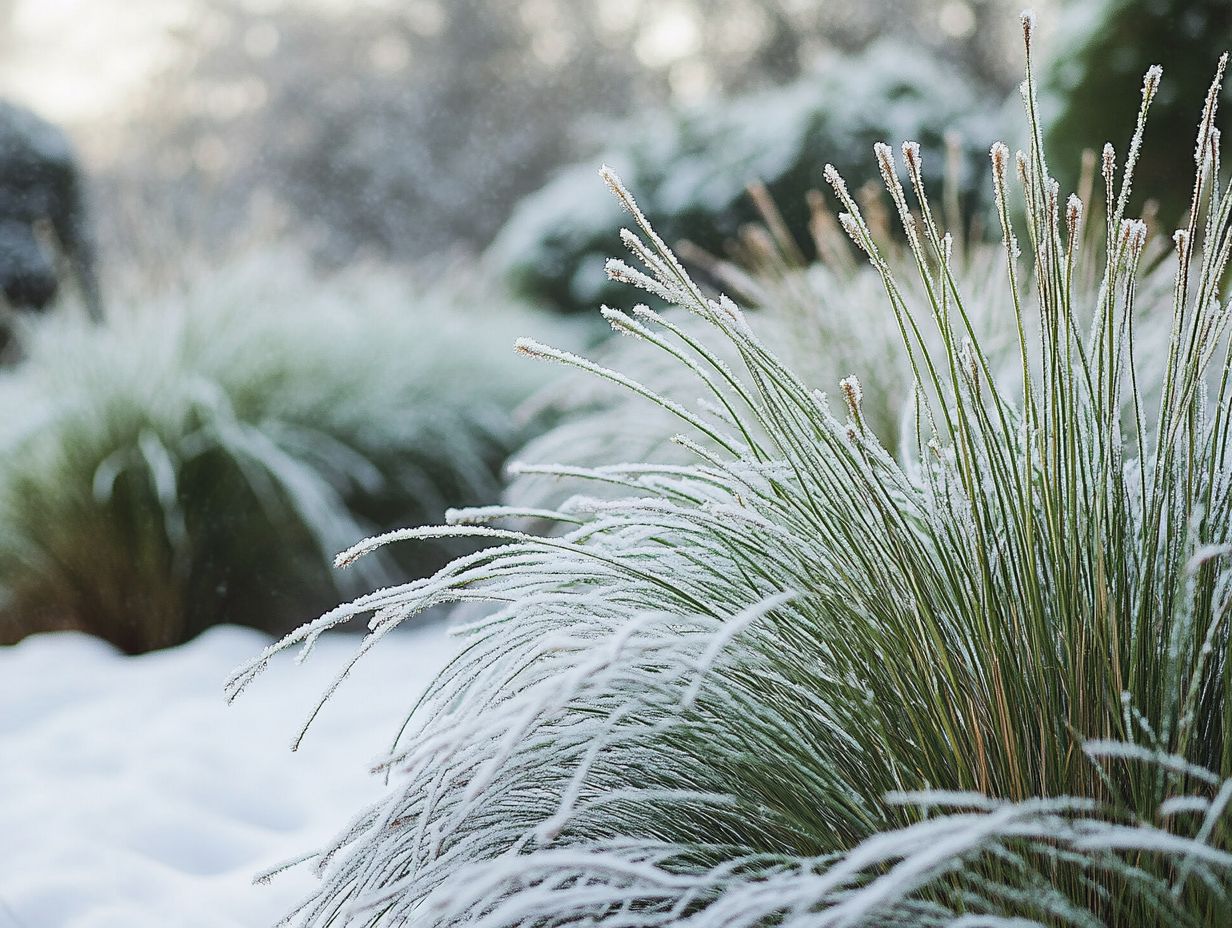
<point x="1183" y="805"/>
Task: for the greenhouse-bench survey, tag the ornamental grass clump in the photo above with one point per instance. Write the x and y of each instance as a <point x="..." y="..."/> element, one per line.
<point x="202" y="457"/>
<point x="802" y="681"/>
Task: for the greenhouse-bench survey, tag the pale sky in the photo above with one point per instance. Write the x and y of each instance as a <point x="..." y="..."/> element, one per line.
<point x="78" y="61"/>
<point x="75" y="61"/>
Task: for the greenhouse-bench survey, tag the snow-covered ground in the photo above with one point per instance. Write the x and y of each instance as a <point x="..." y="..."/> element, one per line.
<point x="131" y="795"/>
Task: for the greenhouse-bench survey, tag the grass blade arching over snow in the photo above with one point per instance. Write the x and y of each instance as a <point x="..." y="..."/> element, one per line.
<point x="801" y="680"/>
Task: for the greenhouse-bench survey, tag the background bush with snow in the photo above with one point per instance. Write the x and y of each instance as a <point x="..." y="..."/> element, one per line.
<point x="693" y="169"/>
<point x="202" y="457"/>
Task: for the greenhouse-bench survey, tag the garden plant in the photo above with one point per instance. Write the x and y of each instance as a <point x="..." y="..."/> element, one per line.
<point x="201" y="457"/>
<point x="798" y="679"/>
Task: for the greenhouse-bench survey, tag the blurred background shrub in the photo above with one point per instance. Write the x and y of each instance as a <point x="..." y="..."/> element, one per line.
<point x="1102" y="48"/>
<point x="202" y="457"/>
<point x="691" y="171"/>
<point x="390" y="130"/>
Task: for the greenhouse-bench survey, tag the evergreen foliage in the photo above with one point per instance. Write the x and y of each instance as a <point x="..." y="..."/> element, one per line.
<point x="1101" y="47"/>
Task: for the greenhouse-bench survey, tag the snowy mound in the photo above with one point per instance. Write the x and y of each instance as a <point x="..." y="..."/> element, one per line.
<point x="131" y="795"/>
